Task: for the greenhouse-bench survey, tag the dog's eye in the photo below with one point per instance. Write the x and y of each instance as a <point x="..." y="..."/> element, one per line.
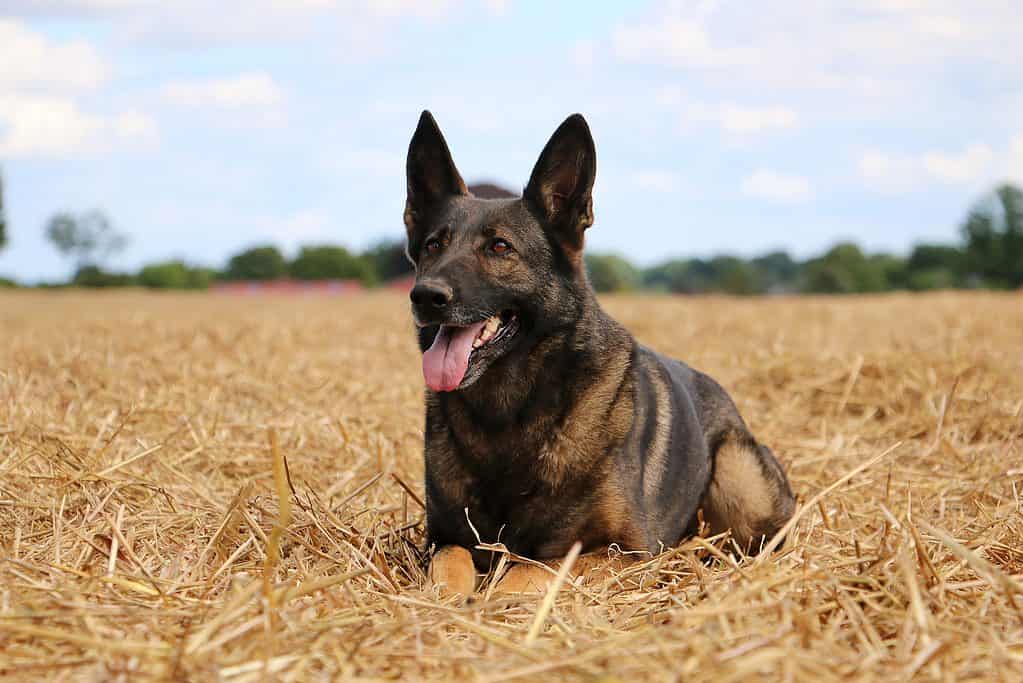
<point x="500" y="247"/>
<point x="432" y="246"/>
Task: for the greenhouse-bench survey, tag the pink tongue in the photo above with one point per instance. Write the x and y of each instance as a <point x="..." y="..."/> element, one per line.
<point x="445" y="363"/>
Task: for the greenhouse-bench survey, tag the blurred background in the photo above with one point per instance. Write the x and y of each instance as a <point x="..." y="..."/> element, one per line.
<point x="802" y="146"/>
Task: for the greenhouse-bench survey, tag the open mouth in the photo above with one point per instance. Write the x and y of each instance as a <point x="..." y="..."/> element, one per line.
<point x="456" y="347"/>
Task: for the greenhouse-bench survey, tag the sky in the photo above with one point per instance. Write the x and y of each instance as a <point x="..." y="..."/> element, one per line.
<point x="201" y="128"/>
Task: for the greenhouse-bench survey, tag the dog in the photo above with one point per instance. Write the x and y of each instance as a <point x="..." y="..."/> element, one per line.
<point x="547" y="423"/>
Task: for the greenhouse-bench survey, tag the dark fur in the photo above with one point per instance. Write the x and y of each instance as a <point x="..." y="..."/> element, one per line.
<point x="572" y="430"/>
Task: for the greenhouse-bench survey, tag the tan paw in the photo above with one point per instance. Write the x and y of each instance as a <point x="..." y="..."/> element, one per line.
<point x="525" y="578"/>
<point x="452" y="571"/>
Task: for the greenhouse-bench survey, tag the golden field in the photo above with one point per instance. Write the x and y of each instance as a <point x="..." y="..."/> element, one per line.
<point x="139" y="514"/>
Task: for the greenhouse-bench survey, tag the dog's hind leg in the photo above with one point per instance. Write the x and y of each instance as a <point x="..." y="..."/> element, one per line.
<point x="748" y="494"/>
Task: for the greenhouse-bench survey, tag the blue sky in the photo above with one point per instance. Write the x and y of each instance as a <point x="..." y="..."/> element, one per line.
<point x="202" y="128"/>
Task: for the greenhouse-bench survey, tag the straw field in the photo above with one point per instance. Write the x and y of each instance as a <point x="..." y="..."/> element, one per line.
<point x="150" y="531"/>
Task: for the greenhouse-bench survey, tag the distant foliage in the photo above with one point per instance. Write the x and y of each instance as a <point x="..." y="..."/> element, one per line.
<point x="844" y="269"/>
<point x="611" y="273"/>
<point x="326" y="262"/>
<point x="175" y="275"/>
<point x="87" y="238"/>
<point x="96" y="277"/>
<point x="993" y="232"/>
<point x="257" y="263"/>
<point x="991" y="256"/>
<point x="3" y="218"/>
<point x="389" y="260"/>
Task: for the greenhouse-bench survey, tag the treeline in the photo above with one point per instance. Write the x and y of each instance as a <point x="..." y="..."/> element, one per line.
<point x="988" y="255"/>
<point x="377" y="265"/>
<point x="842" y="269"/>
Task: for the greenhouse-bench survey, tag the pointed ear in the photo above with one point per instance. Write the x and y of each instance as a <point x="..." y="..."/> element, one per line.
<point x="430" y="173"/>
<point x="561" y="186"/>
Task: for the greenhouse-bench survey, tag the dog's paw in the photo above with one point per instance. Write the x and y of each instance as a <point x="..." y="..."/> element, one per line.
<point x="452" y="571"/>
<point x="526" y="579"/>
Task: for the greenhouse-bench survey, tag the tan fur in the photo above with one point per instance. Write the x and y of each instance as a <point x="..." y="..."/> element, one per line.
<point x="525" y="578"/>
<point x="452" y="571"/>
<point x="742" y="498"/>
<point x="584" y="427"/>
<point x="657" y="453"/>
<point x="529" y="578"/>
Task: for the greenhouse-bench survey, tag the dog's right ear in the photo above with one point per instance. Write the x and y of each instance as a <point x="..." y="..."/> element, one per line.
<point x="431" y="175"/>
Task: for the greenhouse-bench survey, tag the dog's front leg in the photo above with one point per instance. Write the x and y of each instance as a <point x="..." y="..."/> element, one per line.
<point x="530" y="578"/>
<point x="452" y="571"/>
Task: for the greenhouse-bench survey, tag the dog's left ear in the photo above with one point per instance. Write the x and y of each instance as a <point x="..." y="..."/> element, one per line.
<point x="561" y="185"/>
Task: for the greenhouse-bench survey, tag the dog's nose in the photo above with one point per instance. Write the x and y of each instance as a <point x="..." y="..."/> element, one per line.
<point x="431" y="295"/>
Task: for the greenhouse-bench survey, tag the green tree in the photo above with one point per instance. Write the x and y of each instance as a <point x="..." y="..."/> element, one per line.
<point x="88" y="238"/>
<point x="94" y="276"/>
<point x="845" y="269"/>
<point x="776" y="272"/>
<point x="175" y="275"/>
<point x="257" y="263"/>
<point x="691" y="276"/>
<point x="3" y="219"/>
<point x="389" y="259"/>
<point x="732" y="275"/>
<point x="891" y="270"/>
<point x="935" y="266"/>
<point x="327" y="262"/>
<point x="993" y="233"/>
<point x="660" y="277"/>
<point x="611" y="273"/>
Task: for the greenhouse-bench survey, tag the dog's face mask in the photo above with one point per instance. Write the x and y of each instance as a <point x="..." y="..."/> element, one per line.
<point x="493" y="276"/>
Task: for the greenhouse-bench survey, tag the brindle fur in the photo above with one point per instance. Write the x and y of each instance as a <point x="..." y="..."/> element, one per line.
<point x="575" y="432"/>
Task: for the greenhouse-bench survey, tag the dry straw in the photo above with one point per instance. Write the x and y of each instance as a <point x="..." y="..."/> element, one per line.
<point x="202" y="488"/>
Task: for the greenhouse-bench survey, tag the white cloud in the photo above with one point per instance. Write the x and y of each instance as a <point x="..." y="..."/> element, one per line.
<point x="738" y="119"/>
<point x="41" y="116"/>
<point x="865" y="48"/>
<point x="45" y="126"/>
<point x="31" y="60"/>
<point x="136" y="126"/>
<point x="678" y="42"/>
<point x="729" y="116"/>
<point x="497" y="7"/>
<point x="777" y="187"/>
<point x="70" y="7"/>
<point x="186" y="23"/>
<point x="245" y="90"/>
<point x="973" y="162"/>
<point x="48" y="126"/>
<point x="893" y="173"/>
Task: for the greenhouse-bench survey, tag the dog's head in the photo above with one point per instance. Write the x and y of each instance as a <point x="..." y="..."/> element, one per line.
<point x="494" y="276"/>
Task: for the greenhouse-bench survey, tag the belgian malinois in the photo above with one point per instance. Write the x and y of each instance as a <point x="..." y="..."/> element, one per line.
<point x="546" y="422"/>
